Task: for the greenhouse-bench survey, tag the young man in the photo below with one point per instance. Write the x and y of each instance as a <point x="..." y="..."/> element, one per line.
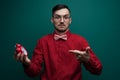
<point x="61" y="52"/>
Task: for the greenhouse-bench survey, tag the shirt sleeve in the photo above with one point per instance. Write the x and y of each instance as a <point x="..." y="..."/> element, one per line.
<point x="36" y="61"/>
<point x="93" y="65"/>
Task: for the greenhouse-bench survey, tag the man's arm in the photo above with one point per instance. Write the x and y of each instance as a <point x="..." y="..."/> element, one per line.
<point x="36" y="62"/>
<point x="89" y="60"/>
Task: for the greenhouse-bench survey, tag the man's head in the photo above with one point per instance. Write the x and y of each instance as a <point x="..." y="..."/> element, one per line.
<point x="61" y="18"/>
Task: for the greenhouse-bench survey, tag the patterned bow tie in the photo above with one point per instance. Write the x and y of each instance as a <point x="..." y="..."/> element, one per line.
<point x="64" y="37"/>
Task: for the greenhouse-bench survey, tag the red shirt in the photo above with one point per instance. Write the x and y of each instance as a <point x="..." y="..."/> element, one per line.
<point x="59" y="63"/>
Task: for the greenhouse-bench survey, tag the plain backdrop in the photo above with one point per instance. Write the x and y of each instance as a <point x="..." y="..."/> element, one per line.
<point x="25" y="21"/>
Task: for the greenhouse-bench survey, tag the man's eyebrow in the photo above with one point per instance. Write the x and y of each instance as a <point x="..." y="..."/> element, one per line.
<point x="61" y="15"/>
<point x="57" y="15"/>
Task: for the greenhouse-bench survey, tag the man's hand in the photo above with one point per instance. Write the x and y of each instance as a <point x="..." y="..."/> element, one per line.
<point x="22" y="58"/>
<point x="82" y="55"/>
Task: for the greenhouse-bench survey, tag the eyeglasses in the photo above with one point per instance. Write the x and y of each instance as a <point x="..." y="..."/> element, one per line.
<point x="58" y="17"/>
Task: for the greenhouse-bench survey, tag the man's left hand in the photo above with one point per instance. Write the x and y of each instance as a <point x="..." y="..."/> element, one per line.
<point x="82" y="55"/>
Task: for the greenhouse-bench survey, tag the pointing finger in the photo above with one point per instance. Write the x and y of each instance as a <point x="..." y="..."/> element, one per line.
<point x="77" y="52"/>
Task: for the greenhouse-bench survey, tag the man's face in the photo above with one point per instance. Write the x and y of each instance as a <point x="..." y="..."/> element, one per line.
<point x="61" y="20"/>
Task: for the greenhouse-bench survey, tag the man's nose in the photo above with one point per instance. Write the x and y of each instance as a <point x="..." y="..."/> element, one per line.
<point x="62" y="19"/>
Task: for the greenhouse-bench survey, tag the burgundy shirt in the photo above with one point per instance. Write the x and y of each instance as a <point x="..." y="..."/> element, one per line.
<point x="59" y="63"/>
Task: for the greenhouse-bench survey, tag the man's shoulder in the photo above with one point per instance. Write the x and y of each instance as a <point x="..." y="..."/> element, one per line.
<point x="77" y="36"/>
<point x="46" y="37"/>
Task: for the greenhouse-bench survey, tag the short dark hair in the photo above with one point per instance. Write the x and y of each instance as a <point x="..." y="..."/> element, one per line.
<point x="58" y="7"/>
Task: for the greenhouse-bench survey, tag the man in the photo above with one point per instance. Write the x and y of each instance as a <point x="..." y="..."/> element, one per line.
<point x="61" y="52"/>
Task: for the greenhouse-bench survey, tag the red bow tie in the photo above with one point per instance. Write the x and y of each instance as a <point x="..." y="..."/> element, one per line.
<point x="64" y="37"/>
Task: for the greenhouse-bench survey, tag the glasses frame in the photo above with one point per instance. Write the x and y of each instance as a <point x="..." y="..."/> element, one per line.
<point x="59" y="17"/>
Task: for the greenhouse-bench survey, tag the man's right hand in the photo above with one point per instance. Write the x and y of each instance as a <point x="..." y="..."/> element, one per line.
<point x="22" y="58"/>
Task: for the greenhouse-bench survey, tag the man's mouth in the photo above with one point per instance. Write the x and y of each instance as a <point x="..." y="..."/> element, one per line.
<point x="61" y="25"/>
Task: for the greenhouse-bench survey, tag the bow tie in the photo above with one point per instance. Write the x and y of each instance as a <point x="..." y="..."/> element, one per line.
<point x="64" y="37"/>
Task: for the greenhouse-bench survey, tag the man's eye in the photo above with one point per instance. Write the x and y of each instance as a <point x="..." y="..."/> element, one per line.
<point x="57" y="17"/>
<point x="66" y="17"/>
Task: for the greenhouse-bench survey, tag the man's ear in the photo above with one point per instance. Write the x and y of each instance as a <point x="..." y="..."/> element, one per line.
<point x="52" y="20"/>
<point x="70" y="20"/>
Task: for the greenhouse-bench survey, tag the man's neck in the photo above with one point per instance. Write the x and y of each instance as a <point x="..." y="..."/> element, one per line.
<point x="61" y="33"/>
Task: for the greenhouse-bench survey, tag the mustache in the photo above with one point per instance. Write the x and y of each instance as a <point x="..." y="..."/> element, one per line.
<point x="61" y="24"/>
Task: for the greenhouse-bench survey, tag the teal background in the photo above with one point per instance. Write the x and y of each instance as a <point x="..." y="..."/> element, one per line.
<point x="25" y="21"/>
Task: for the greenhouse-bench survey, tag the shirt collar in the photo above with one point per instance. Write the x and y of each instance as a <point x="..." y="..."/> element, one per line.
<point x="68" y="33"/>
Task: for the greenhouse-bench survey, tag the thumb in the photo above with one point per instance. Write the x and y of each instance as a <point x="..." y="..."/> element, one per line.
<point x="27" y="61"/>
<point x="87" y="49"/>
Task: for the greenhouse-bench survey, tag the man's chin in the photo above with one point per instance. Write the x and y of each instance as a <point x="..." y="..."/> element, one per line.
<point x="62" y="30"/>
